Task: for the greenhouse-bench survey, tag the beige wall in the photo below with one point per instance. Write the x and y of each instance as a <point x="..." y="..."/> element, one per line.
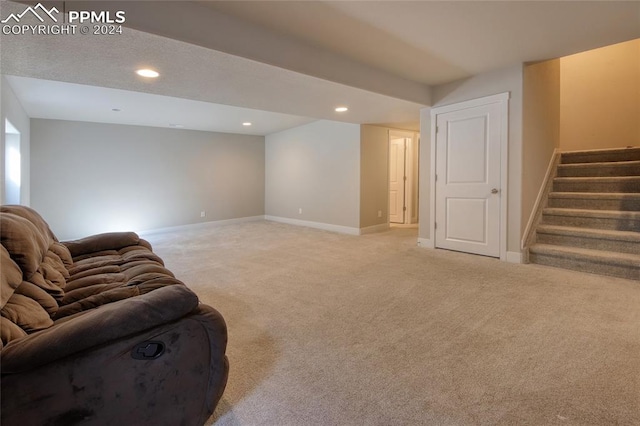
<point x="89" y="177"/>
<point x="11" y="109"/>
<point x="316" y="168"/>
<point x="374" y="175"/>
<point x="425" y="175"/>
<point x="540" y="128"/>
<point x="600" y="98"/>
<point x="490" y="83"/>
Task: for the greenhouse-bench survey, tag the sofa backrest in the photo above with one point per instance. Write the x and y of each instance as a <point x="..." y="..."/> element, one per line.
<point x="32" y="216"/>
<point x="34" y="272"/>
<point x="10" y="278"/>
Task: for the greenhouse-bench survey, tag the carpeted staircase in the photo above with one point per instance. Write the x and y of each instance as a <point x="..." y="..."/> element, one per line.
<point x="592" y="219"/>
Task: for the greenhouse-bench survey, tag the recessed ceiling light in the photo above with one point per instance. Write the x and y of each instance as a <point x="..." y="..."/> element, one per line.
<point x="342" y="109"/>
<point x="176" y="126"/>
<point x="116" y="109"/>
<point x="147" y="73"/>
<point x="246" y="123"/>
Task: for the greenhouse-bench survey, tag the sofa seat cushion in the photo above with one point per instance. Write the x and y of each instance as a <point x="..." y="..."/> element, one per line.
<point x="113" y="258"/>
<point x="90" y="246"/>
<point x="110" y="275"/>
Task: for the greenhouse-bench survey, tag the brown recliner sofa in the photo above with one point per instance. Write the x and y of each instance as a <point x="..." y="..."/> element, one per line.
<point x="98" y="332"/>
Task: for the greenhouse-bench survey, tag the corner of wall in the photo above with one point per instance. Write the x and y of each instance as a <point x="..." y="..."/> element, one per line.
<point x="11" y="108"/>
<point x="424" y="176"/>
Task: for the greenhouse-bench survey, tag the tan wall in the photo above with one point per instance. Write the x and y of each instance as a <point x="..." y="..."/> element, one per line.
<point x="425" y="175"/>
<point x="600" y="98"/>
<point x="374" y="175"/>
<point x="540" y="128"/>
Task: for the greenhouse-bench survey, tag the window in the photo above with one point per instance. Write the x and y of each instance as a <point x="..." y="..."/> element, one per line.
<point x="12" y="164"/>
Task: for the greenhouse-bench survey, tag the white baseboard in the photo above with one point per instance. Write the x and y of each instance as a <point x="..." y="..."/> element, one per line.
<point x="514" y="257"/>
<point x="201" y="225"/>
<point x="426" y="243"/>
<point x="375" y="228"/>
<point x="318" y="225"/>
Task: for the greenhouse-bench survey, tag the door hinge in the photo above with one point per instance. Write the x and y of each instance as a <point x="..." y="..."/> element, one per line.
<point x="404" y="209"/>
<point x="435" y="225"/>
<point x="436" y="178"/>
<point x="405" y="178"/>
<point x="437" y="129"/>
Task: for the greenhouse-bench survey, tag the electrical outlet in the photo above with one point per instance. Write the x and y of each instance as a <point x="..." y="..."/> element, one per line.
<point x="203" y="213"/>
<point x="379" y="213"/>
<point x="300" y="210"/>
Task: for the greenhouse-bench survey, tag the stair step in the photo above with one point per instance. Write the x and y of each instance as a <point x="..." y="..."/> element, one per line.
<point x="598" y="156"/>
<point x="595" y="239"/>
<point x="597" y="184"/>
<point x="619" y="168"/>
<point x="598" y="219"/>
<point x="595" y="200"/>
<point x="623" y="265"/>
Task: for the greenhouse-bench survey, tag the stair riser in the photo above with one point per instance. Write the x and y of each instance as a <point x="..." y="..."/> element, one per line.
<point x="599" y="171"/>
<point x="586" y="266"/>
<point x="629" y="155"/>
<point x="627" y="186"/>
<point x="588" y="243"/>
<point x="592" y="222"/>
<point x="599" y="204"/>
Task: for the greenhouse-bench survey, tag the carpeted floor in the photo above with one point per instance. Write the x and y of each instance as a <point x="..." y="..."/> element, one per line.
<point x="331" y="329"/>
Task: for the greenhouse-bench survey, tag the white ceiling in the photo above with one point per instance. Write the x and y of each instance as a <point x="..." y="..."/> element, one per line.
<point x="223" y="61"/>
<point x="62" y="101"/>
<point x="436" y="42"/>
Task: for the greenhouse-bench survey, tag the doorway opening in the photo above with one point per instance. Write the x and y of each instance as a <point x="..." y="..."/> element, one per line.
<point x="12" y="166"/>
<point x="403" y="177"/>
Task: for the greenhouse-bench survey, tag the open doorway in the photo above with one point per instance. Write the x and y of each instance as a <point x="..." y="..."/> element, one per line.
<point x="403" y="177"/>
<point x="12" y="164"/>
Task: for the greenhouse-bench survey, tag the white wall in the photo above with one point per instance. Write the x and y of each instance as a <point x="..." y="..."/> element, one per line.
<point x="11" y="109"/>
<point x="491" y="83"/>
<point x="316" y="168"/>
<point x="89" y="177"/>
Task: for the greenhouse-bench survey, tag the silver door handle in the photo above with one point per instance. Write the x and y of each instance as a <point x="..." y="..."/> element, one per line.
<point x="494" y="191"/>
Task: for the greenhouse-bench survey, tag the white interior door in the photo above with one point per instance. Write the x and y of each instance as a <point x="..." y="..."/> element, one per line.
<point x="397" y="159"/>
<point x="468" y="177"/>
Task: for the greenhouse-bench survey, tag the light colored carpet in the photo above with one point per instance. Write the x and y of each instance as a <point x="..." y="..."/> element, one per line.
<point x="330" y="329"/>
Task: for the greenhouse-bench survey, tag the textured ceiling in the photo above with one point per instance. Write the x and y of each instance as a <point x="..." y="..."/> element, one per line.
<point x="301" y="59"/>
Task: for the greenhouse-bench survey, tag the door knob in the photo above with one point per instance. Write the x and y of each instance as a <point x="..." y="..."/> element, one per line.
<point x="494" y="191"/>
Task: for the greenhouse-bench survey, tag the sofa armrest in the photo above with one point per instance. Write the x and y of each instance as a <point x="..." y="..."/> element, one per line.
<point x="97" y="327"/>
<point x="100" y="242"/>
